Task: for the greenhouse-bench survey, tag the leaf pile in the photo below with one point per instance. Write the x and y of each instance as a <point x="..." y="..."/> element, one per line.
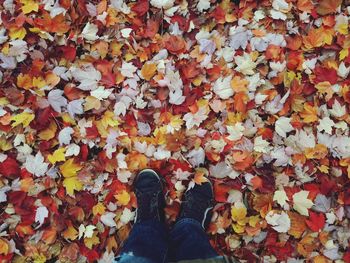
<point x="254" y="95"/>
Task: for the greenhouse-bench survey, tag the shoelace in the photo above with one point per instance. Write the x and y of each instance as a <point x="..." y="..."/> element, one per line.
<point x="199" y="207"/>
<point x="147" y="204"/>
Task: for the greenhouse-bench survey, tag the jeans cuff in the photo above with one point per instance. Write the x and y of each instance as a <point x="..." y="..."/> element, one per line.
<point x="186" y="221"/>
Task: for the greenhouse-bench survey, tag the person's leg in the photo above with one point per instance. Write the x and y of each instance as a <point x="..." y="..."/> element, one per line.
<point x="188" y="239"/>
<point x="148" y="241"/>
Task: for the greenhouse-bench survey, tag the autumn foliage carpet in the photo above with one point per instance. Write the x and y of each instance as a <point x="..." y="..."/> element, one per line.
<point x="253" y="95"/>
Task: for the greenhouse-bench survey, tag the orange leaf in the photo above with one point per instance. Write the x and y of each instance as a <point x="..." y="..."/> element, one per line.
<point x="326" y="7"/>
<point x="309" y="114"/>
<point x="148" y="70"/>
<point x="305" y="5"/>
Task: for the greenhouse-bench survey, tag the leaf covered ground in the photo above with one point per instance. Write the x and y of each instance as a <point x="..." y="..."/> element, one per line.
<point x="254" y="95"/>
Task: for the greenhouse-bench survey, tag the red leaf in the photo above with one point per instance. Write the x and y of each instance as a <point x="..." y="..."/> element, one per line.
<point x="325" y="74"/>
<point x="10" y="168"/>
<point x="69" y="52"/>
<point x="141" y="7"/>
<point x="316" y="221"/>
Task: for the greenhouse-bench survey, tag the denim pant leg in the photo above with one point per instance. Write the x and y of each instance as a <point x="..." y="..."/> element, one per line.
<point x="188" y="240"/>
<point x="147" y="243"/>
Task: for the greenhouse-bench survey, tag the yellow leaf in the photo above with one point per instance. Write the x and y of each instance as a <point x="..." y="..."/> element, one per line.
<point x="309" y="114"/>
<point x="343" y="53"/>
<point x="69" y="168"/>
<point x="24" y="81"/>
<point x="39" y="258"/>
<point x="148" y="70"/>
<point x="70" y="233"/>
<point x="318" y="152"/>
<point x="4" y="247"/>
<point x="39" y="82"/>
<point x="29" y="6"/>
<point x="91" y="103"/>
<point x="57" y="156"/>
<point x="108" y="120"/>
<point x="99" y="208"/>
<point x="238" y="228"/>
<point x="71" y="184"/>
<point x="24" y="118"/>
<point x="17" y="33"/>
<point x="91" y="241"/>
<point x="123" y="198"/>
<point x="238" y="214"/>
<point x="48" y="133"/>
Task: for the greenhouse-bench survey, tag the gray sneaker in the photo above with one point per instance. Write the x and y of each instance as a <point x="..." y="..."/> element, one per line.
<point x="149" y="194"/>
<point x="198" y="204"/>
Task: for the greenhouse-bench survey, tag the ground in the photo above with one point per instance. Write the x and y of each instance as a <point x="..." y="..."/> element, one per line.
<point x="253" y="95"/>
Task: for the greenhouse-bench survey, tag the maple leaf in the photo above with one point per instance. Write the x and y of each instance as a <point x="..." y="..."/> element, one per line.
<point x="71" y="184"/>
<point x="57" y="156"/>
<point x="148" y="70"/>
<point x="24" y="118"/>
<point x="316" y="221"/>
<point x="301" y="203"/>
<point x="69" y="168"/>
<point x="36" y="165"/>
<point x="326" y="7"/>
<point x="29" y="6"/>
<point x="280" y="222"/>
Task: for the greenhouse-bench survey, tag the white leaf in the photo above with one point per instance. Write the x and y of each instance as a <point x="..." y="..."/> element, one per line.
<point x="36" y="165"/>
<point x="3" y="190"/>
<point x="88" y="77"/>
<point x="222" y="170"/>
<point x="161" y="154"/>
<point x="322" y="203"/>
<point x="56" y="100"/>
<point x="245" y="64"/>
<point x="127" y="216"/>
<point x="75" y="107"/>
<point x="101" y="93"/>
<point x="301" y="203"/>
<point x="259" y="98"/>
<point x="260" y="145"/>
<point x="280" y="222"/>
<point x="195" y="119"/>
<point x="87" y="231"/>
<point x="121" y="106"/>
<point x="203" y="5"/>
<point x="236" y="131"/>
<point x="3" y="35"/>
<point x="277" y="15"/>
<point x="18" y="49"/>
<point x="41" y="214"/>
<point x="8" y="62"/>
<point x="121" y="6"/>
<point x="283" y="126"/>
<point x="337" y="110"/>
<point x="222" y="87"/>
<point x="126" y="32"/>
<point x="65" y="135"/>
<point x="90" y="31"/>
<point x="343" y="71"/>
<point x="326" y="125"/>
<point x="165" y="4"/>
<point x="108" y="219"/>
<point x="281" y="197"/>
<point x="124" y="176"/>
<point x="72" y="149"/>
<point x="128" y="69"/>
<point x="176" y="97"/>
<point x="196" y="157"/>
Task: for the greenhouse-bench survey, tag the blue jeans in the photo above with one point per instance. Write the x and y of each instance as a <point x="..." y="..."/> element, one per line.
<point x="149" y="242"/>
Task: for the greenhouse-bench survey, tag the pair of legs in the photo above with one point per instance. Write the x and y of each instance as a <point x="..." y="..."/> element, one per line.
<point x="151" y="242"/>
